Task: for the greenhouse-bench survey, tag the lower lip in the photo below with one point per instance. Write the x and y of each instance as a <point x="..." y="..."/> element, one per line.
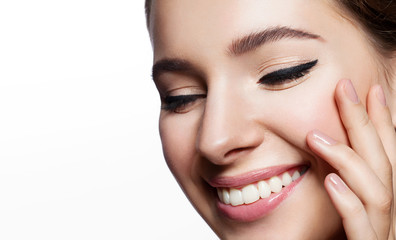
<point x="258" y="209"/>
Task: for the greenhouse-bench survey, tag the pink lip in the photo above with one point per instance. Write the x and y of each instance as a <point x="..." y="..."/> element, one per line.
<point x="256" y="210"/>
<point x="251" y="177"/>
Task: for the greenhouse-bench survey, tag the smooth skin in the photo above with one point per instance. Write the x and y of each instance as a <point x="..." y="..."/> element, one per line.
<point x="365" y="206"/>
<point x="241" y="125"/>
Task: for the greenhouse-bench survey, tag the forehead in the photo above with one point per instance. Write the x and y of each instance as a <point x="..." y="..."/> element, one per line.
<point x="180" y="25"/>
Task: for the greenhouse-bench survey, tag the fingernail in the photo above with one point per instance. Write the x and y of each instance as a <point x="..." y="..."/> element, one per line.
<point x="350" y="91"/>
<point x="323" y="138"/>
<point x="381" y="95"/>
<point x="337" y="182"/>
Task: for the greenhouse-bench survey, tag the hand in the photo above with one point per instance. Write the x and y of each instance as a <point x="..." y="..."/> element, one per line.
<point x="362" y="192"/>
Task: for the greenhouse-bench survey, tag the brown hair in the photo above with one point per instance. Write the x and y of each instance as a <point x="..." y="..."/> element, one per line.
<point x="378" y="17"/>
<point x="147" y="8"/>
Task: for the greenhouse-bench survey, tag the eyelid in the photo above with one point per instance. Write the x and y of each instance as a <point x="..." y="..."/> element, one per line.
<point x="170" y="83"/>
<point x="278" y="64"/>
<point x="287" y="77"/>
<point x="181" y="103"/>
<point x="293" y="69"/>
<point x="182" y="99"/>
<point x="185" y="90"/>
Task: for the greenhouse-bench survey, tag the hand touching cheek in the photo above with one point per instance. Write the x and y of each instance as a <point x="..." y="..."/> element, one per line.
<point x="362" y="189"/>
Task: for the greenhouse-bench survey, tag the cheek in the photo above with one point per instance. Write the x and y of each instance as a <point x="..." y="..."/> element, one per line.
<point x="310" y="106"/>
<point x="178" y="137"/>
<point x="318" y="111"/>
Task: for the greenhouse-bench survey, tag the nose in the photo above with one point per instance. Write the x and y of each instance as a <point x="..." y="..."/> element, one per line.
<point x="228" y="129"/>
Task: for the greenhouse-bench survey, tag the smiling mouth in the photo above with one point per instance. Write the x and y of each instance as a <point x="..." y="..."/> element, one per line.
<point x="262" y="189"/>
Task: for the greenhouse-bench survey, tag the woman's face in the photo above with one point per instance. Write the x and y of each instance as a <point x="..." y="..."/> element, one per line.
<point x="242" y="83"/>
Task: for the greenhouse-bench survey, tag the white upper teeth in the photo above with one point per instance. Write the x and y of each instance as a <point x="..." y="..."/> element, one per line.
<point x="252" y="192"/>
<point x="226" y="197"/>
<point x="264" y="189"/>
<point x="286" y="179"/>
<point x="275" y="184"/>
<point x="236" y="197"/>
<point x="296" y="175"/>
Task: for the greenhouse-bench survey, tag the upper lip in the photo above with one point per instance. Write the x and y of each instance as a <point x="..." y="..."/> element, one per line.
<point x="250" y="177"/>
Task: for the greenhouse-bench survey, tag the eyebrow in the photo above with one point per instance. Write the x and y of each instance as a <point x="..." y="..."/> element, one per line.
<point x="237" y="47"/>
<point x="171" y="65"/>
<point x="254" y="40"/>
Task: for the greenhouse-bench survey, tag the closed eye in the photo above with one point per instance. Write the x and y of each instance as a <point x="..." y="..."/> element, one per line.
<point x="278" y="79"/>
<point x="180" y="103"/>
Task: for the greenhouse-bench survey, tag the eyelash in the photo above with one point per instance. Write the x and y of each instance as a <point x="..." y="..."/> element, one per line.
<point x="285" y="75"/>
<point x="179" y="104"/>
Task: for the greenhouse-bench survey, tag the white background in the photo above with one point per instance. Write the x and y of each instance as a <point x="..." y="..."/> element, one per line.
<point x="80" y="156"/>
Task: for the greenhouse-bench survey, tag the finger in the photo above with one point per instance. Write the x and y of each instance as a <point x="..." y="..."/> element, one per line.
<point x="354" y="217"/>
<point x="361" y="131"/>
<point x="381" y="118"/>
<point x="359" y="176"/>
<point x="380" y="115"/>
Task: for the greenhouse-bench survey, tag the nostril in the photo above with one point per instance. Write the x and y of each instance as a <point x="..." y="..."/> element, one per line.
<point x="238" y="151"/>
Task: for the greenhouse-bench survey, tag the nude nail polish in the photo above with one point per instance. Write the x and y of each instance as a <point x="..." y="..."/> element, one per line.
<point x="323" y="138"/>
<point x="351" y="92"/>
<point x="337" y="182"/>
